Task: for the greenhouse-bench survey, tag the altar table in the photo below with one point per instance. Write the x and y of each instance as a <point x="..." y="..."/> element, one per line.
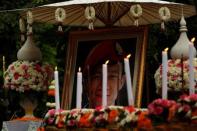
<point x="161" y="127"/>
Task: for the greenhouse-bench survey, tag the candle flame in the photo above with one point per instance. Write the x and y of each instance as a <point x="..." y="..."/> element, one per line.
<point x="55" y="68"/>
<point x="107" y="61"/>
<point x="128" y="56"/>
<point x="166" y="49"/>
<point x="79" y="69"/>
<point x="193" y="39"/>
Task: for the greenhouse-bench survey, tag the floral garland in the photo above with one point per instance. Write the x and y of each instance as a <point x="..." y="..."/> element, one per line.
<point x="51" y="94"/>
<point x="115" y="117"/>
<point x="175" y="75"/>
<point x="100" y="118"/>
<point x="25" y="75"/>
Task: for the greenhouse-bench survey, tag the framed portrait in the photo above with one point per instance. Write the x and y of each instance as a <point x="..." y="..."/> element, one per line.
<point x="133" y="40"/>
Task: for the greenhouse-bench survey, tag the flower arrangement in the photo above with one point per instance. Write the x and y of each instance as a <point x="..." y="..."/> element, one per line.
<point x="162" y="110"/>
<point x="187" y="108"/>
<point x="175" y="76"/>
<point x="100" y="117"/>
<point x="85" y="120"/>
<point x="26" y="75"/>
<point x="58" y="117"/>
<point x="124" y="117"/>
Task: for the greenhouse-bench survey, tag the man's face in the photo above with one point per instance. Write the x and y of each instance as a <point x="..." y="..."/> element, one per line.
<point x="114" y="84"/>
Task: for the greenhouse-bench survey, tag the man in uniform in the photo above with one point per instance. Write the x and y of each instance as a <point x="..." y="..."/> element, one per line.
<point x="106" y="50"/>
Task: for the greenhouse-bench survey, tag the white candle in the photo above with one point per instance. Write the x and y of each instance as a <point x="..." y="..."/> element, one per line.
<point x="191" y="68"/>
<point x="164" y="74"/>
<point x="128" y="81"/>
<point x="79" y="89"/>
<point x="104" y="84"/>
<point x="57" y="97"/>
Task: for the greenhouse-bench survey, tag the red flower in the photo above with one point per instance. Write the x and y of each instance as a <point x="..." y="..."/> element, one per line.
<point x="144" y="122"/>
<point x="24" y="67"/>
<point x="158" y="110"/>
<point x="84" y="120"/>
<point x="186" y="108"/>
<point x="98" y="108"/>
<point x="38" y="68"/>
<point x="16" y="75"/>
<point x="112" y="115"/>
<point x="26" y="75"/>
<point x="129" y="108"/>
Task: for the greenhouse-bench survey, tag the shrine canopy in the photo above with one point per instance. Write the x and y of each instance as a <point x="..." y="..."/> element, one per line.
<point x="112" y="12"/>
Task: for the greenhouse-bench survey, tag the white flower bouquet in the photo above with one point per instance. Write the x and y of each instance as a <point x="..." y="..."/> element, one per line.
<point x="178" y="75"/>
<point x="28" y="75"/>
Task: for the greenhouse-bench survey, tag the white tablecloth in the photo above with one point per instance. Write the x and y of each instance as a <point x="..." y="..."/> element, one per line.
<point x="17" y="125"/>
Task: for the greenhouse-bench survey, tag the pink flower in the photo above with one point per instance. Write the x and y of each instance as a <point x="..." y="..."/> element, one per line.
<point x="158" y="101"/>
<point x="193" y="97"/>
<point x="151" y="108"/>
<point x="50" y="120"/>
<point x="165" y="103"/>
<point x="154" y="109"/>
<point x="186" y="108"/>
<point x="24" y="67"/>
<point x="71" y="123"/>
<point x="51" y="112"/>
<point x="12" y="67"/>
<point x="183" y="97"/>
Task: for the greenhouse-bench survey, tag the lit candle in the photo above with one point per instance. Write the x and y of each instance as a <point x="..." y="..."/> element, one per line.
<point x="104" y="84"/>
<point x="79" y="89"/>
<point x="164" y="74"/>
<point x="191" y="67"/>
<point x="57" y="98"/>
<point x="128" y="81"/>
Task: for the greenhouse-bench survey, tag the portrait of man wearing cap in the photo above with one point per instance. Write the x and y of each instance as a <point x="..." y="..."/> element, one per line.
<point x="92" y="72"/>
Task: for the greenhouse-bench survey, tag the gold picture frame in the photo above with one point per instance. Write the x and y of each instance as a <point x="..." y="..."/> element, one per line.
<point x="78" y="37"/>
